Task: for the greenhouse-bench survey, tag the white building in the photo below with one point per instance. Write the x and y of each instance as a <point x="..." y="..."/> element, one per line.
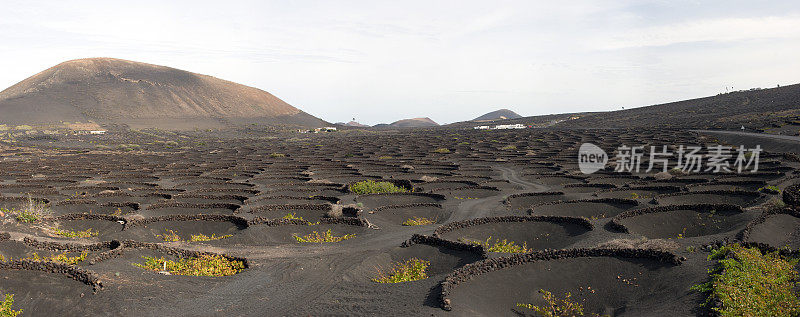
<point x="509" y="126"/>
<point x="99" y="132"/>
<point x="482" y="127"/>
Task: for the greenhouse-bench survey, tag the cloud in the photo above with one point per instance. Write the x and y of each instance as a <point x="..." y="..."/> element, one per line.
<point x="713" y="30"/>
<point x="381" y="61"/>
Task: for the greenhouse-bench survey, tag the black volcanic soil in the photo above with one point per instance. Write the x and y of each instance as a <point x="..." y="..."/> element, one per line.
<point x="233" y="183"/>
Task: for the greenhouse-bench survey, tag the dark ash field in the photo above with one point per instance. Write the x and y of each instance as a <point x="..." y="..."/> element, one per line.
<point x="620" y="243"/>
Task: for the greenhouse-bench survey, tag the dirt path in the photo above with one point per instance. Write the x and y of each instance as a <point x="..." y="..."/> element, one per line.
<point x="483" y="207"/>
<point x="752" y="134"/>
<point x="768" y="142"/>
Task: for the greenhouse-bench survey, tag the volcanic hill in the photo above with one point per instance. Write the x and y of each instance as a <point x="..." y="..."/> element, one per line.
<point x="501" y="114"/>
<point x="414" y="123"/>
<point x="110" y="91"/>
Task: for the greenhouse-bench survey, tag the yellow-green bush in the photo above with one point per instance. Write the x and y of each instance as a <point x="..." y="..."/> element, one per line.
<point x="204" y="265"/>
<point x="373" y="187"/>
<point x="5" y="307"/>
<point x="325" y="237"/>
<point x="410" y="270"/>
<point x="750" y="283"/>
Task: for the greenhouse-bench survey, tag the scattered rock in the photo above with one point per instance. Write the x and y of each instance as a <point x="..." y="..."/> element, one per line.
<point x="663" y="175"/>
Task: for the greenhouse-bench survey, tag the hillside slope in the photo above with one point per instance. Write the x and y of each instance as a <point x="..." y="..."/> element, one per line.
<point x="114" y="91"/>
<point x="753" y="109"/>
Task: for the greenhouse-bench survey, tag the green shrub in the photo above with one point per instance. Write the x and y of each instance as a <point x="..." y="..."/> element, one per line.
<point x="750" y="283"/>
<point x="201" y="237"/>
<point x="88" y="233"/>
<point x="775" y="204"/>
<point x="5" y="307"/>
<point x="26" y="217"/>
<point x="294" y="216"/>
<point x="509" y="147"/>
<point x="443" y="150"/>
<point x="203" y="265"/>
<point x="373" y="187"/>
<point x="277" y="155"/>
<point x="418" y="221"/>
<point x="172" y="236"/>
<point x="60" y="258"/>
<point x="30" y="212"/>
<point x="555" y="306"/>
<point x="410" y="270"/>
<point x="770" y="189"/>
<point x="325" y="237"/>
<point x="503" y="246"/>
<point x="169" y="236"/>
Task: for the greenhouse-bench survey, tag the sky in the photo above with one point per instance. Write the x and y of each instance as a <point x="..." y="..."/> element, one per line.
<point x="381" y="61"/>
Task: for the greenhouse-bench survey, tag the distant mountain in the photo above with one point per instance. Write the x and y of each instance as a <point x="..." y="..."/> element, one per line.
<point x="139" y="95"/>
<point x="414" y="123"/>
<point x="501" y="114"/>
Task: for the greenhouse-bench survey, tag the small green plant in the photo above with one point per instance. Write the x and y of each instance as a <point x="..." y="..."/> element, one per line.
<point x="770" y="189"/>
<point x="443" y="150"/>
<point x="373" y="187"/>
<point x="201" y="237"/>
<point x="276" y="155"/>
<point x="60" y="258"/>
<point x="88" y="233"/>
<point x="555" y="307"/>
<point x="30" y="212"/>
<point x="325" y="237"/>
<point x="464" y="143"/>
<point x="203" y="265"/>
<point x="292" y="216"/>
<point x="5" y="307"/>
<point x="635" y="196"/>
<point x="385" y="157"/>
<point x="509" y="147"/>
<point x="27" y="217"/>
<point x="748" y="282"/>
<point x="406" y="271"/>
<point x="169" y="236"/>
<point x="775" y="204"/>
<point x="503" y="246"/>
<point x="418" y="221"/>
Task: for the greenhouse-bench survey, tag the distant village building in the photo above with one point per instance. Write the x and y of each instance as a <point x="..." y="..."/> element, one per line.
<point x="325" y="129"/>
<point x="509" y="126"/>
<point x="318" y="130"/>
<point x="98" y="132"/>
<point x="482" y="127"/>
